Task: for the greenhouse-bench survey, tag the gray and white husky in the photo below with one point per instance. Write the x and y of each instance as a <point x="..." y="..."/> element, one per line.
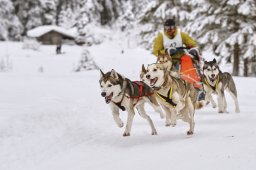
<point x="215" y="82"/>
<point x="121" y="93"/>
<point x="166" y="61"/>
<point x="177" y="97"/>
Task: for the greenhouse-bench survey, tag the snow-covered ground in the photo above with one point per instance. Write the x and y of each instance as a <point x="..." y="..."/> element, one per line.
<point x="55" y="119"/>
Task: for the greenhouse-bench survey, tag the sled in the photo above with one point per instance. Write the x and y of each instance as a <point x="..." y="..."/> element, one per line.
<point x="192" y="73"/>
<point x="188" y="71"/>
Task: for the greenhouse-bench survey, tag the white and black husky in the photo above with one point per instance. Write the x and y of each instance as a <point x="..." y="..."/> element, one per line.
<point x="215" y="82"/>
<point x="121" y="93"/>
<point x="177" y="97"/>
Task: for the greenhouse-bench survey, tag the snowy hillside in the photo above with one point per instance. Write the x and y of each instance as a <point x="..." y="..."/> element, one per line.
<point x="55" y="119"/>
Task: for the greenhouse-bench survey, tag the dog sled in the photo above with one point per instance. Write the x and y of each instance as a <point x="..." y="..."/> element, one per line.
<point x="190" y="70"/>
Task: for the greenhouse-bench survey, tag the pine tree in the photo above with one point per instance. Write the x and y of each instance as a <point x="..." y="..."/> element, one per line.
<point x="67" y="18"/>
<point x="49" y="13"/>
<point x="29" y="13"/>
<point x="226" y="27"/>
<point x="154" y="14"/>
<point x="10" y="26"/>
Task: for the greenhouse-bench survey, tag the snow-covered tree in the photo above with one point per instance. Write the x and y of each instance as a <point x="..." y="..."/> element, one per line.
<point x="86" y="62"/>
<point x="10" y="26"/>
<point x="49" y="12"/>
<point x="67" y="18"/>
<point x="29" y="13"/>
<point x="227" y="27"/>
<point x="154" y="13"/>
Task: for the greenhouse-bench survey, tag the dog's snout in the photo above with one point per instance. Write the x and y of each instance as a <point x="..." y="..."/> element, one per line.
<point x="103" y="94"/>
<point x="213" y="75"/>
<point x="148" y="76"/>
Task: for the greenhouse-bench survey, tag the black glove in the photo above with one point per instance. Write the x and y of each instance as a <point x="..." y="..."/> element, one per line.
<point x="171" y="51"/>
<point x="194" y="52"/>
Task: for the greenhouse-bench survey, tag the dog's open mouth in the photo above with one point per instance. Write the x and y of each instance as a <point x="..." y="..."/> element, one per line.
<point x="108" y="98"/>
<point x="153" y="81"/>
<point x="212" y="79"/>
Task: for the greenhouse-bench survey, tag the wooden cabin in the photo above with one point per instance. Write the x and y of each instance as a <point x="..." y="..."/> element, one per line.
<point x="50" y="34"/>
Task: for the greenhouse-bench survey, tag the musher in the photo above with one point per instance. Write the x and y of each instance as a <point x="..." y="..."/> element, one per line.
<point x="173" y="41"/>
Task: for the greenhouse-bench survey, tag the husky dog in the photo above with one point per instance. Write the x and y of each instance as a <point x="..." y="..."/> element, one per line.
<point x="214" y="81"/>
<point x="177" y="97"/>
<point x="121" y="93"/>
<point x="166" y="60"/>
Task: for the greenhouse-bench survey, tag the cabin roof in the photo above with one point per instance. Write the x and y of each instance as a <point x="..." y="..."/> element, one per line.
<point x="42" y="30"/>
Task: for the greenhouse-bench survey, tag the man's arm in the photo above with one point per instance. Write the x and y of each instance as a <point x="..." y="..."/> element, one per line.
<point x="188" y="41"/>
<point x="158" y="46"/>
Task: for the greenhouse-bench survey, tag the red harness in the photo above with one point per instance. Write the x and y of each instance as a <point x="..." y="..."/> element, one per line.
<point x="140" y="84"/>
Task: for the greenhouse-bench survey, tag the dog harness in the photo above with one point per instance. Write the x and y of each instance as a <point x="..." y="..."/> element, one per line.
<point x="167" y="99"/>
<point x="212" y="87"/>
<point x="137" y="91"/>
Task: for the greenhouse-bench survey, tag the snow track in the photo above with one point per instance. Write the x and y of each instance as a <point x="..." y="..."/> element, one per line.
<point x="58" y="120"/>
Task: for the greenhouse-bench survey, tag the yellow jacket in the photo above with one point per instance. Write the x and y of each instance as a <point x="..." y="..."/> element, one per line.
<point x="158" y="45"/>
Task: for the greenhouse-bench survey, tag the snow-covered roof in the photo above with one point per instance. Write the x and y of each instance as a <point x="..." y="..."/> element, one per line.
<point x="41" y="30"/>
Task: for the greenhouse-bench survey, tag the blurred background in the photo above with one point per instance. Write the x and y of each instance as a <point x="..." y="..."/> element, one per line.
<point x="226" y="28"/>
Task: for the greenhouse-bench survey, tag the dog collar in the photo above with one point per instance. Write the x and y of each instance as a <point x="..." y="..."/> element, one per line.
<point x="213" y="87"/>
<point x="119" y="104"/>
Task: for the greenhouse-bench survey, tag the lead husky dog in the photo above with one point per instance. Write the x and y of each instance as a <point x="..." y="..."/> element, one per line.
<point x="122" y="93"/>
<point x="215" y="82"/>
<point x="177" y="97"/>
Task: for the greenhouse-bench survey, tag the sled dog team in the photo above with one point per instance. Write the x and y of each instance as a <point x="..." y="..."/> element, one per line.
<point x="161" y="87"/>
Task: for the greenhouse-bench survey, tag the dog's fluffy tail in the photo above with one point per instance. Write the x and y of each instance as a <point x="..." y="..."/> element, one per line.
<point x="200" y="104"/>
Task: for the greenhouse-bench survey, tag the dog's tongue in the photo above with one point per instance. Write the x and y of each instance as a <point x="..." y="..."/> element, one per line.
<point x="108" y="98"/>
<point x="153" y="81"/>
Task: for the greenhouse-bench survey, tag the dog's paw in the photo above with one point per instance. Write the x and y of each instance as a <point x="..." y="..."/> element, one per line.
<point x="154" y="133"/>
<point x="126" y="134"/>
<point x="167" y="123"/>
<point x="190" y="132"/>
<point x="220" y="111"/>
<point x="121" y="124"/>
<point x="173" y="123"/>
<point x="214" y="105"/>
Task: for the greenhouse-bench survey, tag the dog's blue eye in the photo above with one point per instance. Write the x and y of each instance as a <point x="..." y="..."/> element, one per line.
<point x="109" y="85"/>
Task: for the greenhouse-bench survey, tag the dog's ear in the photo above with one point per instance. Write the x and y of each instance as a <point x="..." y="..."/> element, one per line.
<point x="114" y="74"/>
<point x="101" y="73"/>
<point x="169" y="57"/>
<point x="204" y="67"/>
<point x="143" y="69"/>
<point x="214" y="61"/>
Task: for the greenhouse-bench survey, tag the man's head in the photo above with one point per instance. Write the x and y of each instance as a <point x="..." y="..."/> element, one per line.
<point x="170" y="27"/>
